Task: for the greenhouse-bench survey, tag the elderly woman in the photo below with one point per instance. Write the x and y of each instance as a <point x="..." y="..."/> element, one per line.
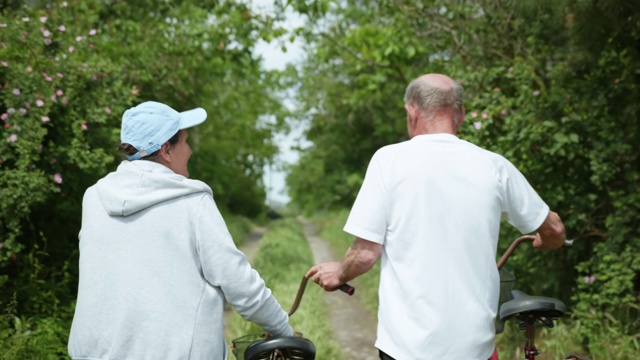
<point x="156" y="258"/>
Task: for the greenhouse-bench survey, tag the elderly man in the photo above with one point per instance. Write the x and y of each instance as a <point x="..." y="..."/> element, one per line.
<point x="431" y="207"/>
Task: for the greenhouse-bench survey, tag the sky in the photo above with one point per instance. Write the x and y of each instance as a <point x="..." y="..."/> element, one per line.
<point x="275" y="59"/>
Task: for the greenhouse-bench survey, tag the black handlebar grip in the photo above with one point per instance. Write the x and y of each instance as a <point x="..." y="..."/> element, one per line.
<point x="347" y="289"/>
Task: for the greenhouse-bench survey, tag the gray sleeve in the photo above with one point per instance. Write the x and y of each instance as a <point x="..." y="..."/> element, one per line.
<point x="226" y="267"/>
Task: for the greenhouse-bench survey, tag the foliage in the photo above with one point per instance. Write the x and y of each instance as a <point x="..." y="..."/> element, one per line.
<point x="36" y="318"/>
<point x="282" y="259"/>
<point x="53" y="144"/>
<point x="553" y="86"/>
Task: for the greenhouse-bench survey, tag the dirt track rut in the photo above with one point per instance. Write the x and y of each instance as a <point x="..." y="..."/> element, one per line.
<point x="353" y="327"/>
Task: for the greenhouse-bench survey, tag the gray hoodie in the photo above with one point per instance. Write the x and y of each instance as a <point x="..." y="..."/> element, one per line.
<point x="156" y="262"/>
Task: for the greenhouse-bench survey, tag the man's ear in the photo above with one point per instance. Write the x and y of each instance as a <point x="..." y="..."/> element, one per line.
<point x="411" y="115"/>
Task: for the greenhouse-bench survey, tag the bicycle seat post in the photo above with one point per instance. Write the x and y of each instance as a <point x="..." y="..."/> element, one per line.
<point x="530" y="350"/>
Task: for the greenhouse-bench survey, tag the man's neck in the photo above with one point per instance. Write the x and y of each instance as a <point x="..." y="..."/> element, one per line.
<point x="435" y="126"/>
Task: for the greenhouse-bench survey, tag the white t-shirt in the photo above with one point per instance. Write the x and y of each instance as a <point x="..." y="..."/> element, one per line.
<point x="435" y="204"/>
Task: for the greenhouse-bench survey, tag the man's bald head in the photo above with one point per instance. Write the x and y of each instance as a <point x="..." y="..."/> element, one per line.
<point x="435" y="94"/>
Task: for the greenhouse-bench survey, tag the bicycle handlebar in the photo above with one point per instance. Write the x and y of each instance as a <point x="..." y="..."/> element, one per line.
<point x="346" y="288"/>
<point x="518" y="241"/>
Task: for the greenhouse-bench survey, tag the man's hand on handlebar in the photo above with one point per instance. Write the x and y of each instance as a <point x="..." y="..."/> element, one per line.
<point x="551" y="234"/>
<point x="327" y="275"/>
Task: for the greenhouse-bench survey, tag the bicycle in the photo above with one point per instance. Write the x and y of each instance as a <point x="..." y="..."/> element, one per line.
<point x="529" y="311"/>
<point x="265" y="347"/>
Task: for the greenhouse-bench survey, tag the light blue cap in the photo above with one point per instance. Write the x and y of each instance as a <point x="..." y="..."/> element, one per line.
<point x="150" y="124"/>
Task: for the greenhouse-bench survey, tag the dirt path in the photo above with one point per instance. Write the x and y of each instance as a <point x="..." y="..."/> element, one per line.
<point x="353" y="327"/>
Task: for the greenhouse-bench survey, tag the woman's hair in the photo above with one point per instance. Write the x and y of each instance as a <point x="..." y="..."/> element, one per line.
<point x="128" y="149"/>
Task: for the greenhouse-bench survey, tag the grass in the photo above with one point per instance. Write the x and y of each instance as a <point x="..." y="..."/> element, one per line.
<point x="282" y="259"/>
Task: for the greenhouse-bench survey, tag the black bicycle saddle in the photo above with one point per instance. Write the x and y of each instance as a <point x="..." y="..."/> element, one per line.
<point x="286" y="347"/>
<point x="523" y="305"/>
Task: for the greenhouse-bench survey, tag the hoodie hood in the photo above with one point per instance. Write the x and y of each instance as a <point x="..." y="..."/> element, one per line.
<point x="137" y="185"/>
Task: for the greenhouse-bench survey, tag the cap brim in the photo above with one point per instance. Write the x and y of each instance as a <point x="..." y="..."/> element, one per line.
<point x="192" y="118"/>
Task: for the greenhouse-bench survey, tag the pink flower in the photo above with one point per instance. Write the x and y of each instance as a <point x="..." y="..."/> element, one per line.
<point x="474" y="114"/>
<point x="92" y="32"/>
<point x="39" y="103"/>
<point x="503" y="112"/>
<point x="589" y="279"/>
<point x="53" y="98"/>
<point x="12" y="138"/>
<point x="23" y="111"/>
<point x="47" y="41"/>
<point x="477" y="125"/>
<point x="25" y="19"/>
<point x="496" y="89"/>
<point x="65" y="101"/>
<point x="134" y="91"/>
<point x="16" y="91"/>
<point x="62" y="28"/>
<point x="5" y="64"/>
<point x="79" y="38"/>
<point x="57" y="178"/>
<point x="536" y="92"/>
<point x="91" y="46"/>
<point x="45" y="119"/>
<point x="485" y="115"/>
<point x="510" y="69"/>
<point x="71" y="48"/>
<point x="6" y="125"/>
<point x="64" y="4"/>
<point x="11" y="111"/>
<point x="43" y="19"/>
<point x="46" y="33"/>
<point x="59" y="92"/>
<point x="4" y="116"/>
<point x="29" y="69"/>
<point x="83" y="126"/>
<point x="107" y="110"/>
<point x="60" y="75"/>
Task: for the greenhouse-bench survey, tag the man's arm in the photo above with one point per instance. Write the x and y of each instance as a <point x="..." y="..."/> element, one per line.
<point x="360" y="257"/>
<point x="551" y="234"/>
